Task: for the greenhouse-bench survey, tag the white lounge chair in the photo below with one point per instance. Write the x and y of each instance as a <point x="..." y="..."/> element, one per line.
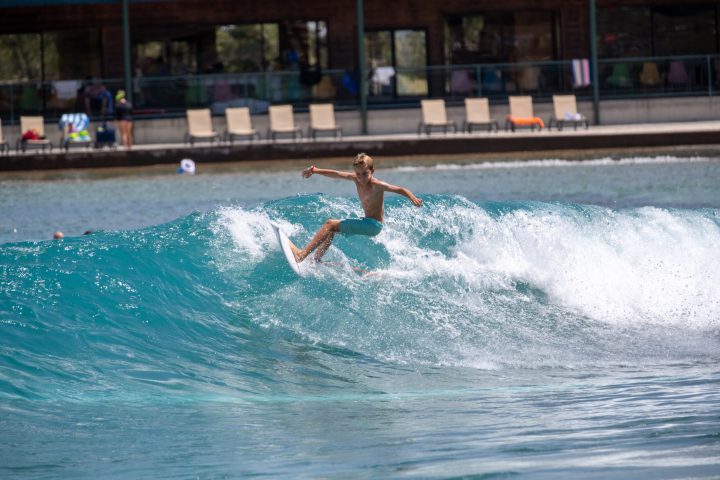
<point x="522" y="115"/>
<point x="322" y="119"/>
<point x="200" y="127"/>
<point x="282" y="121"/>
<point x="477" y="112"/>
<point x="434" y="115"/>
<point x="239" y="124"/>
<point x="565" y="111"/>
<point x="36" y="123"/>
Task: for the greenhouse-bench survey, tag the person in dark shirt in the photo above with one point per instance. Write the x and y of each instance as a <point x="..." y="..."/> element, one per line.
<point x="123" y="114"/>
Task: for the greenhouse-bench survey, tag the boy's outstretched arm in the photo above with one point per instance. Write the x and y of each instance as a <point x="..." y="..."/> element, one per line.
<point x="401" y="191"/>
<point x="308" y="172"/>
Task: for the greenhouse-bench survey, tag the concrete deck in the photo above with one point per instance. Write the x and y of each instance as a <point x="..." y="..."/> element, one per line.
<point x="525" y="141"/>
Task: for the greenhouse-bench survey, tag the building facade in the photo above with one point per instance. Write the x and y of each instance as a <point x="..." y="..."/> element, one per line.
<point x="409" y="46"/>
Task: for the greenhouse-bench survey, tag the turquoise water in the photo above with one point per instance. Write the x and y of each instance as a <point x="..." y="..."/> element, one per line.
<point x="534" y="320"/>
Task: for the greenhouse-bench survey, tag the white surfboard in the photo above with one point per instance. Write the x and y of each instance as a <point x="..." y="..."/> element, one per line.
<point x="285" y="246"/>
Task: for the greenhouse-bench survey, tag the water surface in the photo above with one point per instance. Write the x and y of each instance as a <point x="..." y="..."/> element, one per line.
<point x="542" y="319"/>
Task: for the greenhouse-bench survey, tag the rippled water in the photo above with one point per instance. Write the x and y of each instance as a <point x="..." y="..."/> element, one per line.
<point x="539" y="319"/>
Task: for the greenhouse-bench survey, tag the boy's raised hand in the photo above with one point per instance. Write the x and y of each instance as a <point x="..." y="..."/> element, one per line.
<point x="307" y="173"/>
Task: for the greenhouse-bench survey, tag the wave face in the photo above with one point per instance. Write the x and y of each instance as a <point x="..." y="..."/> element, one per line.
<point x="204" y="305"/>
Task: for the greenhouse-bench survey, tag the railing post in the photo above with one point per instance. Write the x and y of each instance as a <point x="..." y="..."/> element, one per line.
<point x="267" y="87"/>
<point x="594" y="63"/>
<point x="360" y="22"/>
<point x="126" y="50"/>
<point x="709" y="75"/>
<point x="478" y="71"/>
<point x="12" y="105"/>
<point x="245" y="88"/>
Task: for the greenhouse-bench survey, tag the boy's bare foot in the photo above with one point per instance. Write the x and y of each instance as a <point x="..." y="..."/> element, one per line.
<point x="296" y="252"/>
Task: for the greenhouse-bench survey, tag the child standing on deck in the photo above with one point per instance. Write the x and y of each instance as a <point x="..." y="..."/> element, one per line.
<point x="371" y="192"/>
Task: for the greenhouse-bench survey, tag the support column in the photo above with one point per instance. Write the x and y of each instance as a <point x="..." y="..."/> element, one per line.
<point x="126" y="50"/>
<point x="594" y="63"/>
<point x="359" y="5"/>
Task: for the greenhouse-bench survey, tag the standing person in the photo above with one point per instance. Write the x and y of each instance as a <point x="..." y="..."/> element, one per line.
<point x="94" y="93"/>
<point x="371" y="192"/>
<point x="123" y="114"/>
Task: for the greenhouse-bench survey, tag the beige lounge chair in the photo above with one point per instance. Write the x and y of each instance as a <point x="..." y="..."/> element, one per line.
<point x="37" y="124"/>
<point x="477" y="112"/>
<point x="239" y="124"/>
<point x="200" y="126"/>
<point x="434" y="115"/>
<point x="282" y="121"/>
<point x="322" y="119"/>
<point x="522" y="115"/>
<point x="4" y="146"/>
<point x="565" y="112"/>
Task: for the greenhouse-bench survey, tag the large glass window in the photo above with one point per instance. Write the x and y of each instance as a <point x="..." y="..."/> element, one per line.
<point x="248" y="48"/>
<point x="624" y="32"/>
<point x="171" y="51"/>
<point x="287" y="45"/>
<point x="684" y="30"/>
<point x="411" y="60"/>
<point x="657" y="31"/>
<point x="63" y="55"/>
<point x="21" y="57"/>
<point x="396" y="61"/>
<point x="72" y="54"/>
<point x="500" y="37"/>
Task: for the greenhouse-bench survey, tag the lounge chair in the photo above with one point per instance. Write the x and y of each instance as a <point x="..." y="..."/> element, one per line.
<point x="200" y="126"/>
<point x="434" y="115"/>
<point x="36" y="125"/>
<point x="322" y="119"/>
<point x="4" y="146"/>
<point x="75" y="130"/>
<point x="565" y="112"/>
<point x="521" y="114"/>
<point x="239" y="124"/>
<point x="477" y="112"/>
<point x="282" y="121"/>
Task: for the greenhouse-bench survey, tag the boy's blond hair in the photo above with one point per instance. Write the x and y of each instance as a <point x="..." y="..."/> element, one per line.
<point x="364" y="159"/>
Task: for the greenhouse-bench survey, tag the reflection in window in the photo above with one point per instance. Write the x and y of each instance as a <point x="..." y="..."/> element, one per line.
<point x="287" y="45"/>
<point x="624" y="32"/>
<point x="21" y="57"/>
<point x="396" y="62"/>
<point x="379" y="59"/>
<point x="657" y="31"/>
<point x="248" y="48"/>
<point x="411" y="60"/>
<point x="168" y="55"/>
<point x="500" y="37"/>
<point x="684" y="30"/>
<point x="71" y="54"/>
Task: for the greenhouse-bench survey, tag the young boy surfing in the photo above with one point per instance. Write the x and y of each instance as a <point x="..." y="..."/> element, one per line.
<point x="371" y="192"/>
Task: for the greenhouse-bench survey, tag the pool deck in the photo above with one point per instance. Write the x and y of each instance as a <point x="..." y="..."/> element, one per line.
<point x="615" y="137"/>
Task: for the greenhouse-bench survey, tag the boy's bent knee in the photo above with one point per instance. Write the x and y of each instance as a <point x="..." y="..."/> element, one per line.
<point x="332" y="225"/>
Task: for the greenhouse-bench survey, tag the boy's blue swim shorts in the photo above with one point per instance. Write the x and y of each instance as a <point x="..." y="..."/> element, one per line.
<point x="360" y="226"/>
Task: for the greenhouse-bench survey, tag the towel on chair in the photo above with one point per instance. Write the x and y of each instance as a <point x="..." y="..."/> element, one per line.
<point x="527" y="121"/>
